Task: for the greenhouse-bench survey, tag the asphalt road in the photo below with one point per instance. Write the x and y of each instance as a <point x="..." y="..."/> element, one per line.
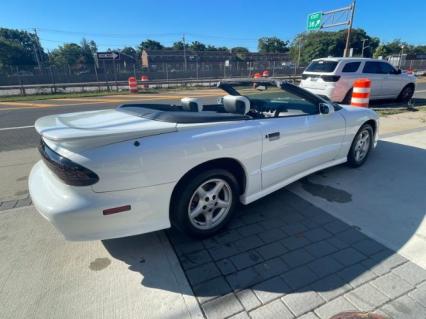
<point x="17" y="118"/>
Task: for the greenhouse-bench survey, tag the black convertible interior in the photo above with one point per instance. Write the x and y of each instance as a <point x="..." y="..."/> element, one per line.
<point x="246" y="100"/>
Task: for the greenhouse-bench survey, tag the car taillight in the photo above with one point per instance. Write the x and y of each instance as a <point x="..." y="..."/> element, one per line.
<point x="69" y="172"/>
<point x="330" y="78"/>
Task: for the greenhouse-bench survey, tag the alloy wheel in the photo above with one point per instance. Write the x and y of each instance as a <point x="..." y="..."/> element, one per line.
<point x="210" y="203"/>
<point x="362" y="145"/>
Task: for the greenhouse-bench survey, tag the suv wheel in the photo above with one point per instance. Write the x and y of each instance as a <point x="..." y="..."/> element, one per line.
<point x="348" y="97"/>
<point x="406" y="94"/>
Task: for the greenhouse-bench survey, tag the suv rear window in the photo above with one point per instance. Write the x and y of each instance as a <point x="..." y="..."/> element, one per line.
<point x="322" y="66"/>
<point x="351" y="67"/>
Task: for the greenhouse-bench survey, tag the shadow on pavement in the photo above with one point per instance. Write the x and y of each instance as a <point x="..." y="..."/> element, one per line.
<point x="392" y="103"/>
<point x="282" y="244"/>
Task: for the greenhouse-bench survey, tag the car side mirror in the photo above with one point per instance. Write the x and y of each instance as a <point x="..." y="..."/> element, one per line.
<point x="398" y="71"/>
<point x="325" y="108"/>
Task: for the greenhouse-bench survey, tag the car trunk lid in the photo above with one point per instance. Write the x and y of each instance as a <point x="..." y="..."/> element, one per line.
<point x="95" y="128"/>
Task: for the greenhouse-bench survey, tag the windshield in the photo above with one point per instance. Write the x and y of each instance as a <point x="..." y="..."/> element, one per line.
<point x="322" y="66"/>
<point x="275" y="100"/>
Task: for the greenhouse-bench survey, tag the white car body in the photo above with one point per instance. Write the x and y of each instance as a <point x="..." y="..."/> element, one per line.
<point x="383" y="85"/>
<point x="145" y="176"/>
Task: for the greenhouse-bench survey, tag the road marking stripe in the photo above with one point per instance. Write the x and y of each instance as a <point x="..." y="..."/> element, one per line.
<point x="97" y="102"/>
<point x="15" y="128"/>
<point x="23" y="104"/>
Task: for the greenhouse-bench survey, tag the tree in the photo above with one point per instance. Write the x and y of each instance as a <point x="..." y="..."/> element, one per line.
<point x="321" y="44"/>
<point x="19" y="48"/>
<point x="150" y="45"/>
<point x="197" y="46"/>
<point x="240" y="52"/>
<point x="395" y="47"/>
<point x="88" y="50"/>
<point x="272" y="45"/>
<point x="382" y="51"/>
<point x="130" y="52"/>
<point x="214" y="48"/>
<point x="70" y="54"/>
<point x="179" y="45"/>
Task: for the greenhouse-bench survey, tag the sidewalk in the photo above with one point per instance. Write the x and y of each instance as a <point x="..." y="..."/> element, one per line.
<point x="43" y="276"/>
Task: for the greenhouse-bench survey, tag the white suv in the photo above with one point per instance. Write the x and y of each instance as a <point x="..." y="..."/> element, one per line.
<point x="334" y="77"/>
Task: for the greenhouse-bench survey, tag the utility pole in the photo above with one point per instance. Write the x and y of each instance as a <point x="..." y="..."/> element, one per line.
<point x="363" y="47"/>
<point x="37" y="49"/>
<point x="348" y="37"/>
<point x="400" y="56"/>
<point x="184" y="52"/>
<point x="298" y="56"/>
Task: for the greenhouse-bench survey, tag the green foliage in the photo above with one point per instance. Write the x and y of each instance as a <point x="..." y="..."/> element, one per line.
<point x="272" y="45"/>
<point x="179" y="45"/>
<point x="130" y="52"/>
<point x="241" y="53"/>
<point x="214" y="48"/>
<point x="395" y="47"/>
<point x="321" y="44"/>
<point x="197" y="46"/>
<point x="150" y="45"/>
<point x="70" y="54"/>
<point x="17" y="48"/>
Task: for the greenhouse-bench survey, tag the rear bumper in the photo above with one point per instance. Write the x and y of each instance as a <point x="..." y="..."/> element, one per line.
<point x="77" y="212"/>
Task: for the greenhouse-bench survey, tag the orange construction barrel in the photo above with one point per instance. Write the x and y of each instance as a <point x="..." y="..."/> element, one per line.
<point x="133" y="85"/>
<point x="144" y="78"/>
<point x="361" y="92"/>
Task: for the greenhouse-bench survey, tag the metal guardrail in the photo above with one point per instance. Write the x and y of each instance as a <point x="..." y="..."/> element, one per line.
<point x="28" y="89"/>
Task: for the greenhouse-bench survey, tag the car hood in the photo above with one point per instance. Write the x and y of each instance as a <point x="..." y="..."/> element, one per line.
<point x="95" y="128"/>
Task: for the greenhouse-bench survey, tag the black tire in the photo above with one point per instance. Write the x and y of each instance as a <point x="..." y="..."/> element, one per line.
<point x="406" y="93"/>
<point x="348" y="97"/>
<point x="180" y="207"/>
<point x="353" y="159"/>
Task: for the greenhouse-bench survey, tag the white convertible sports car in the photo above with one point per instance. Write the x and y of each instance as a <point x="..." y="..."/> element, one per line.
<point x="144" y="167"/>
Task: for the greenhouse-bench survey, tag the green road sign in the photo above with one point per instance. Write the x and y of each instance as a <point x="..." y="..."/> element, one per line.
<point x="314" y="21"/>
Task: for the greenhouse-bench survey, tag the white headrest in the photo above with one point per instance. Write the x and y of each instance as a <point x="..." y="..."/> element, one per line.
<point x="191" y="104"/>
<point x="236" y="104"/>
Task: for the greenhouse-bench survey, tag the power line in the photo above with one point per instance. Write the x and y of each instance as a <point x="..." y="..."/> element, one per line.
<point x="141" y="35"/>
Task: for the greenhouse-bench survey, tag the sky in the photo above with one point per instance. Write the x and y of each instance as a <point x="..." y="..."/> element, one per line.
<point x="114" y="24"/>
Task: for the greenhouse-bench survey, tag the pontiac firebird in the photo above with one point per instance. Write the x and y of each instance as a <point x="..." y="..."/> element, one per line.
<point x="144" y="167"/>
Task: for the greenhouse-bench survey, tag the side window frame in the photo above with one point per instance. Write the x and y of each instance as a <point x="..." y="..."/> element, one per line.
<point x="378" y="67"/>
<point x="352" y="62"/>
<point x="388" y="65"/>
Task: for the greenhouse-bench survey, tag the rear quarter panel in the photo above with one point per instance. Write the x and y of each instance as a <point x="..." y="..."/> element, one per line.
<point x="165" y="158"/>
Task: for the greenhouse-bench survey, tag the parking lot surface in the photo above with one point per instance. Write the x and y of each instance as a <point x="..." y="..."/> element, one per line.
<point x="340" y="239"/>
<point x="385" y="197"/>
<point x="44" y="276"/>
<point x="285" y="258"/>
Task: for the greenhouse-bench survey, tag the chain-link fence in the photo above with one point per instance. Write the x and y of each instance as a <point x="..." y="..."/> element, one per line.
<point x="110" y="72"/>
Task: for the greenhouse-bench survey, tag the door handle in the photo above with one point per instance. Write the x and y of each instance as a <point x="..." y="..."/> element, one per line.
<point x="273" y="136"/>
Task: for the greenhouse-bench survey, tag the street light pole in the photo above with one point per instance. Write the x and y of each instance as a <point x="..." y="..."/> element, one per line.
<point x="348" y="37"/>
